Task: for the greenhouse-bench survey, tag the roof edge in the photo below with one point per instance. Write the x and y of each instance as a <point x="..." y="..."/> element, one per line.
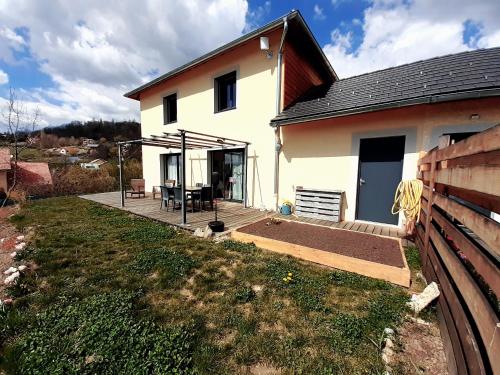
<point x="133" y="94"/>
<point x="440" y="98"/>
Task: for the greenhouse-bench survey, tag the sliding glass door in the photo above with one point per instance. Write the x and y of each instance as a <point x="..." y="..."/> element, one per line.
<point x="230" y="166"/>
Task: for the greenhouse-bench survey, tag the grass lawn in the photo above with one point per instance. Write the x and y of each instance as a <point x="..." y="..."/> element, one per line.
<point x="115" y="293"/>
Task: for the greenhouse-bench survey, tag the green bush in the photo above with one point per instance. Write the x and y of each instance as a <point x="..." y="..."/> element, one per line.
<point x="413" y="258"/>
<point x="100" y="334"/>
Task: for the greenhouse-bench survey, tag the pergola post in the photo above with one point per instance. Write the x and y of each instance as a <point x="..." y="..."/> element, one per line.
<point x="120" y="175"/>
<point x="245" y="174"/>
<point x="183" y="175"/>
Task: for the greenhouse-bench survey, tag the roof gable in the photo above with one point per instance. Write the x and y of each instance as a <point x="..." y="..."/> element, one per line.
<point x="296" y="21"/>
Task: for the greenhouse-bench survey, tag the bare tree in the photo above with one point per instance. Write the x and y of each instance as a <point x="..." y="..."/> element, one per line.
<point x="19" y="122"/>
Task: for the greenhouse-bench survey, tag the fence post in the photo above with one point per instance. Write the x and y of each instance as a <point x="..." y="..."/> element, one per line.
<point x="428" y="218"/>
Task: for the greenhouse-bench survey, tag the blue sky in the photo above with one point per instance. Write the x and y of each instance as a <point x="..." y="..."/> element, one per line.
<point x="75" y="59"/>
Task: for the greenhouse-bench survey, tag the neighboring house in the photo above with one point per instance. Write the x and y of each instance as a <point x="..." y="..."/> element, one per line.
<point x="361" y="135"/>
<point x="31" y="176"/>
<point x="5" y="167"/>
<point x="94" y="164"/>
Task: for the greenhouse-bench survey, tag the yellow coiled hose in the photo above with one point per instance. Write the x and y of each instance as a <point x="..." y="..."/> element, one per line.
<point x="407" y="199"/>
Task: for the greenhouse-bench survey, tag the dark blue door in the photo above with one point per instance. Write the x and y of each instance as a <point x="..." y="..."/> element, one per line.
<point x="380" y="171"/>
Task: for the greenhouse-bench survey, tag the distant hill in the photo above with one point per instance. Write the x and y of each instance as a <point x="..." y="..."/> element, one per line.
<point x="111" y="130"/>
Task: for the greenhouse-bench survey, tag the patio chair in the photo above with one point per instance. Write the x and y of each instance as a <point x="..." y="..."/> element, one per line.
<point x="169" y="183"/>
<point x="167" y="195"/>
<point x="204" y="195"/>
<point x="136" y="188"/>
<point x="178" y="198"/>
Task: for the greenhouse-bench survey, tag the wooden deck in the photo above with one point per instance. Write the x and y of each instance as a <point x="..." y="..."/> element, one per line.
<point x="234" y="215"/>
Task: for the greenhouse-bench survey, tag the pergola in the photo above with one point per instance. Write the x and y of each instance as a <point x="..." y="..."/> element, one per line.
<point x="185" y="140"/>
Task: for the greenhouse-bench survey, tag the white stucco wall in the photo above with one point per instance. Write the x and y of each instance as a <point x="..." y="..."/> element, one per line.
<point x="255" y="107"/>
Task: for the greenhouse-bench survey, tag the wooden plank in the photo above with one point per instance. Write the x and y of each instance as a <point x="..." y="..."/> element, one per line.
<point x="304" y="194"/>
<point x="486" y="320"/>
<point x="319" y="204"/>
<point x="489" y="202"/>
<point x="482" y="264"/>
<point x="480" y="178"/>
<point x="429" y="204"/>
<point x="318" y="215"/>
<point x="491" y="158"/>
<point x="362" y="227"/>
<point x="485" y="141"/>
<point x="385" y="232"/>
<point x="370" y="228"/>
<point x="349" y="225"/>
<point x="465" y="341"/>
<point x="448" y="348"/>
<point x="487" y="229"/>
<point x="313" y="198"/>
<point x="355" y="227"/>
<point x="395" y="275"/>
<point x="425" y="192"/>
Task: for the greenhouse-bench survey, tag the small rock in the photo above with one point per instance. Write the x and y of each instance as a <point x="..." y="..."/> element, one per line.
<point x="7" y="301"/>
<point x="1" y="240"/>
<point x="22" y="268"/>
<point x="388" y="332"/>
<point x="11" y="278"/>
<point x="208" y="232"/>
<point x="387" y="354"/>
<point x="20" y="238"/>
<point x="13" y="254"/>
<point x="20" y="246"/>
<point x="10" y="270"/>
<point x="389" y="343"/>
<point x="198" y="232"/>
<point x="419" y="321"/>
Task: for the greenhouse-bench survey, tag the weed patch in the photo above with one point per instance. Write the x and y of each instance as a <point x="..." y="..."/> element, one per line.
<point x="100" y="335"/>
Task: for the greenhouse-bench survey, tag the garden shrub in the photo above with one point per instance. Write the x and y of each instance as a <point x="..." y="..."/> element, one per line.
<point x="100" y="334"/>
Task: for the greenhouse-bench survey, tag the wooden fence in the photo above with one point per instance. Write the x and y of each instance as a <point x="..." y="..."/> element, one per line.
<point x="460" y="247"/>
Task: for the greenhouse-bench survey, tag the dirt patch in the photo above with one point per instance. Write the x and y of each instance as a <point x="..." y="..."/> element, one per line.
<point x="421" y="349"/>
<point x="264" y="369"/>
<point x="353" y="244"/>
<point x="9" y="234"/>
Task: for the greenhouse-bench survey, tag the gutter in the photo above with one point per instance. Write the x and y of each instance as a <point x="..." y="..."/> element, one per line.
<point x="440" y="98"/>
<point x="277" y="135"/>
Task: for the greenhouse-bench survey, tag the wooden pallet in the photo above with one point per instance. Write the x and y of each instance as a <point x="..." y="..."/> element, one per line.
<point x="322" y="204"/>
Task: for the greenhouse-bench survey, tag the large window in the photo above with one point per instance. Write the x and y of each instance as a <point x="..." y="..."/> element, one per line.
<point x="225" y="92"/>
<point x="171" y="167"/>
<point x="170" y="109"/>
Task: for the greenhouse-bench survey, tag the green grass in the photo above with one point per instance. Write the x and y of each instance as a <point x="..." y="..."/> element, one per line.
<point x="115" y="293"/>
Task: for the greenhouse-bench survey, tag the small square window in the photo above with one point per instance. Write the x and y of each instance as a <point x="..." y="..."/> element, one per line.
<point x="225" y="92"/>
<point x="170" y="109"/>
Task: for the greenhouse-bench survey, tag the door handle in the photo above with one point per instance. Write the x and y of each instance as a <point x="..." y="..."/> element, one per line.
<point x="361" y="182"/>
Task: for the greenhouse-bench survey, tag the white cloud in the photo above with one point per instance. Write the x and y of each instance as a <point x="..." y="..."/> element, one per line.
<point x="4" y="77"/>
<point x="397" y="32"/>
<point x="255" y="16"/>
<point x="318" y="12"/>
<point x="97" y="50"/>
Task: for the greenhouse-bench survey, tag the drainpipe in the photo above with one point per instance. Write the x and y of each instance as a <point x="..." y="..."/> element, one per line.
<point x="277" y="136"/>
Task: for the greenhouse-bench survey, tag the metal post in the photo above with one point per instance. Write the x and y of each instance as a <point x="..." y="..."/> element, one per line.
<point x="183" y="175"/>
<point x="245" y="171"/>
<point x="120" y="175"/>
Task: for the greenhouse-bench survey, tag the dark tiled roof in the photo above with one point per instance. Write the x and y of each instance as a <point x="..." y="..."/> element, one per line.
<point x="459" y="76"/>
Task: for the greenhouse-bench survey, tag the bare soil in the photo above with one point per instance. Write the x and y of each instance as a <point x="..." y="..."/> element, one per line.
<point x="353" y="244"/>
<point x="421" y="349"/>
<point x="9" y="234"/>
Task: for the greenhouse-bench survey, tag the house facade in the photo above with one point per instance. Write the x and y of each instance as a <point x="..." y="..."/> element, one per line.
<point x="275" y="89"/>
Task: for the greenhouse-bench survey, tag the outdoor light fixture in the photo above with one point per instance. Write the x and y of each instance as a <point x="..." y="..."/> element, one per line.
<point x="264" y="46"/>
<point x="474" y="116"/>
